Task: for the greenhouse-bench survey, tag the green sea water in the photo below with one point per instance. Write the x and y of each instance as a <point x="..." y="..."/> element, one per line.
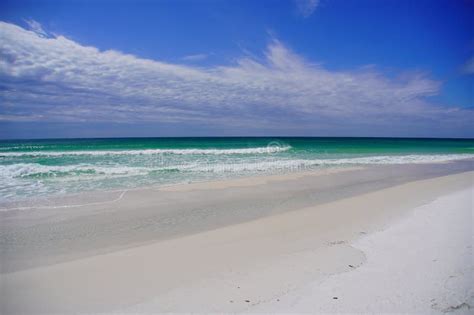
<point x="42" y="168"/>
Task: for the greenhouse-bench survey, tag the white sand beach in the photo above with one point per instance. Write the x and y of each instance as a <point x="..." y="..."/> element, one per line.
<point x="354" y="241"/>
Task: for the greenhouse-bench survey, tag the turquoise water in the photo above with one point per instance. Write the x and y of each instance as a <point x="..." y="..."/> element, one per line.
<point x="38" y="168"/>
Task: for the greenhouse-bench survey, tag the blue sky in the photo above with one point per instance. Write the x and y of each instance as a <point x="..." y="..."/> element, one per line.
<point x="212" y="68"/>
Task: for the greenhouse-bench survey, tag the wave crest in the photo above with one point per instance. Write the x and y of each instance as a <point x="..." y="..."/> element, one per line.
<point x="257" y="150"/>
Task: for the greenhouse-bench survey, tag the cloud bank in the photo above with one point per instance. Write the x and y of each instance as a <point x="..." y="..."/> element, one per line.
<point x="54" y="79"/>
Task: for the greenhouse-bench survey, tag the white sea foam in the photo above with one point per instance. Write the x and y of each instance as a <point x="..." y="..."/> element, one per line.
<point x="302" y="163"/>
<point x="258" y="150"/>
<point x="399" y="159"/>
<point x="26" y="170"/>
<point x="24" y="180"/>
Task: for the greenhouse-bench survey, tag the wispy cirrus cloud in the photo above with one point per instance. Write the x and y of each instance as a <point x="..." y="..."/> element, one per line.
<point x="57" y="79"/>
<point x="468" y="67"/>
<point x="306" y="7"/>
<point x="37" y="28"/>
<point x="196" y="57"/>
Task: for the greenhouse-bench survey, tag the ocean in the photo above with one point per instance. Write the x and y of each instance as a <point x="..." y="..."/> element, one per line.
<point x="44" y="168"/>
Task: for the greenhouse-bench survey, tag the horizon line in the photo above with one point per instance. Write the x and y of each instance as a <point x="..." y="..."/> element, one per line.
<point x="208" y="137"/>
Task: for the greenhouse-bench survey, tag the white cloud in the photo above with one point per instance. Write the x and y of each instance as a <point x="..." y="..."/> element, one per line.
<point x="197" y="57"/>
<point x="57" y="79"/>
<point x="306" y="7"/>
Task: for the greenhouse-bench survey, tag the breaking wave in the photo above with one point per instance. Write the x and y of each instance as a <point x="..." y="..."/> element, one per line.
<point x="35" y="170"/>
<point x="258" y="150"/>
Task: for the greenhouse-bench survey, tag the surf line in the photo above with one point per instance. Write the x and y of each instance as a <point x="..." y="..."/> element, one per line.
<point x="70" y="206"/>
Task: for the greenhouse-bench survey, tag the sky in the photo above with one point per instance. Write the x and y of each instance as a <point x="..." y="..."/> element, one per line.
<point x="236" y="68"/>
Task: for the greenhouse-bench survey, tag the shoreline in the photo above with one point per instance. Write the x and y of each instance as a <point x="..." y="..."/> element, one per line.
<point x="242" y="181"/>
<point x="69" y="200"/>
<point x="92" y="198"/>
<point x="49" y="236"/>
